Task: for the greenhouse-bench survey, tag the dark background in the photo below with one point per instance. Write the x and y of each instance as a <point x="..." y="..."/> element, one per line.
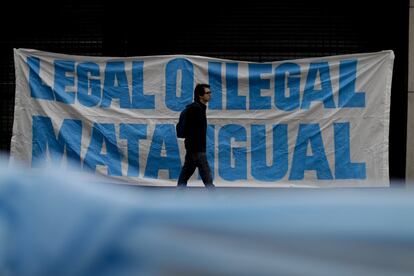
<point x="255" y="31"/>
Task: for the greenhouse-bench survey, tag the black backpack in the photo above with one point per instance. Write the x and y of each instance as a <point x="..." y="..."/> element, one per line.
<point x="181" y="128"/>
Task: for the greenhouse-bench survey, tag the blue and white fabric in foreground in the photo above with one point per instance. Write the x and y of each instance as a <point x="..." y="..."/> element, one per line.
<point x="52" y="223"/>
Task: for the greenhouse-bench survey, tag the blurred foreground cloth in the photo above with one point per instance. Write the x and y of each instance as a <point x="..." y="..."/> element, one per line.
<point x="53" y="223"/>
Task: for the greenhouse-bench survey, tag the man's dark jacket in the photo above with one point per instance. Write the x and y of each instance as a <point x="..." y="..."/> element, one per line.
<point x="196" y="126"/>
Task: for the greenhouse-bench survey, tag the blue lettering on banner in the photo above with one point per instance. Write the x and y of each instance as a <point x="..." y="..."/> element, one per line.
<point x="164" y="152"/>
<point x="344" y="168"/>
<point x="115" y="85"/>
<point x="282" y="101"/>
<point x="87" y="80"/>
<point x="234" y="100"/>
<point x="85" y="84"/>
<point x="44" y="140"/>
<point x="347" y="95"/>
<point x="139" y="99"/>
<point x="103" y="135"/>
<point x="133" y="133"/>
<point x="63" y="80"/>
<point x="308" y="155"/>
<point x="38" y="89"/>
<point x="256" y="84"/>
<point x="228" y="146"/>
<point x="227" y="153"/>
<point x="214" y="77"/>
<point x="325" y="93"/>
<point x="309" y="134"/>
<point x="260" y="170"/>
<point x="172" y="101"/>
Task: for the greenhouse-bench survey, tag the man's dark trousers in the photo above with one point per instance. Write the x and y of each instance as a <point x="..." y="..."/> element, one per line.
<point x="195" y="160"/>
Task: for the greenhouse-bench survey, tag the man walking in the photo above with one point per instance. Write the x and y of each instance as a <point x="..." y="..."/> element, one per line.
<point x="195" y="140"/>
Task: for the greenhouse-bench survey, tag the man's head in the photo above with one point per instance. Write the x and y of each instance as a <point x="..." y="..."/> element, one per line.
<point x="202" y="93"/>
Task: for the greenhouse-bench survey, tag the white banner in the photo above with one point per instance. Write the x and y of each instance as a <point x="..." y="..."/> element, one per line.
<point x="317" y="122"/>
